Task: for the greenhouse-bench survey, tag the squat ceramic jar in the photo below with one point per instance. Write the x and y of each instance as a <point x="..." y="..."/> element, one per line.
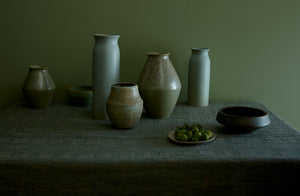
<point x="159" y="85"/>
<point x="39" y="87"/>
<point x="124" y="105"/>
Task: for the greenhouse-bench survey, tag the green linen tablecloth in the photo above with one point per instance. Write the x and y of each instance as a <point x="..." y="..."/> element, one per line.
<point x="63" y="151"/>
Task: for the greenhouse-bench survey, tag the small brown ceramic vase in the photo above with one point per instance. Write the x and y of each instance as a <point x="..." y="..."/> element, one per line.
<point x="124" y="105"/>
<point x="159" y="85"/>
<point x="39" y="87"/>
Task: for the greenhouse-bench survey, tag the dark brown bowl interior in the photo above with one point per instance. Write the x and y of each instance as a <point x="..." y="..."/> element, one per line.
<point x="243" y="111"/>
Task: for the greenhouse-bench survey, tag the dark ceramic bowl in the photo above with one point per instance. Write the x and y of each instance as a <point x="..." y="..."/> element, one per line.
<point x="242" y="119"/>
<point x="80" y="95"/>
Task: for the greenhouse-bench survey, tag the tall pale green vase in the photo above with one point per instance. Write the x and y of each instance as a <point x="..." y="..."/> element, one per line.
<point x="106" y="71"/>
<point x="199" y="77"/>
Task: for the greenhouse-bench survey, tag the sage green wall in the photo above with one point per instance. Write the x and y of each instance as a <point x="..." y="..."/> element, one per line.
<point x="254" y="44"/>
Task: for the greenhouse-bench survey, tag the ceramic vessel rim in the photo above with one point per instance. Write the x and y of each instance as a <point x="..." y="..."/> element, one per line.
<point x="83" y="88"/>
<point x="38" y="67"/>
<point x="200" y="49"/>
<point x="80" y="91"/>
<point x="158" y="53"/>
<point x="264" y="113"/>
<point x="124" y="85"/>
<point x="106" y="35"/>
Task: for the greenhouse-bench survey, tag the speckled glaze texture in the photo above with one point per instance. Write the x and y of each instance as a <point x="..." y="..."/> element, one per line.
<point x="159" y="85"/>
<point x="124" y="105"/>
<point x="39" y="87"/>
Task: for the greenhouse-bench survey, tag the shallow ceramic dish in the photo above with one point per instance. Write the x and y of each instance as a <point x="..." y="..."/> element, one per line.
<point x="173" y="138"/>
<point x="242" y="119"/>
<point x="80" y="95"/>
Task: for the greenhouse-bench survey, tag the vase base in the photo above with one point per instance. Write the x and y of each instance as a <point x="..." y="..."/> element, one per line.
<point x="197" y="105"/>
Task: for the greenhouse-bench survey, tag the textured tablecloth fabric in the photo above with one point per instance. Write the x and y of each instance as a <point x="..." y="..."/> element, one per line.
<point x="62" y="150"/>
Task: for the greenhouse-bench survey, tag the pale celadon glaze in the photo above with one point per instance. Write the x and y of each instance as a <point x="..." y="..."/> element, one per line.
<point x="199" y="77"/>
<point x="159" y="85"/>
<point x="106" y="71"/>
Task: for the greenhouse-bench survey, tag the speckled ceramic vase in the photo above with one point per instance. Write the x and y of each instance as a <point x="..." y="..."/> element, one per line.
<point x="124" y="105"/>
<point x="39" y="87"/>
<point x="159" y="85"/>
<point x="199" y="77"/>
<point x="106" y="71"/>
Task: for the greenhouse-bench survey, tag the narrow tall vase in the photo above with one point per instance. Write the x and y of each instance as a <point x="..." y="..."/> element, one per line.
<point x="106" y="71"/>
<point x="39" y="87"/>
<point x="199" y="77"/>
<point x="159" y="85"/>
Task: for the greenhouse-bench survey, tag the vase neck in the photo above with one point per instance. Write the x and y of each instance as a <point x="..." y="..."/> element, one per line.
<point x="107" y="37"/>
<point x="124" y="91"/>
<point x="160" y="55"/>
<point x="200" y="50"/>
<point x="38" y="67"/>
<point x="124" y="85"/>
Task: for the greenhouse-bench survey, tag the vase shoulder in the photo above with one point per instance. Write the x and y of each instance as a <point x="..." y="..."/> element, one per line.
<point x="124" y="95"/>
<point x="158" y="74"/>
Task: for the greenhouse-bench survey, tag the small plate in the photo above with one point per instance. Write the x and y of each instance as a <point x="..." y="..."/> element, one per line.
<point x="173" y="138"/>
